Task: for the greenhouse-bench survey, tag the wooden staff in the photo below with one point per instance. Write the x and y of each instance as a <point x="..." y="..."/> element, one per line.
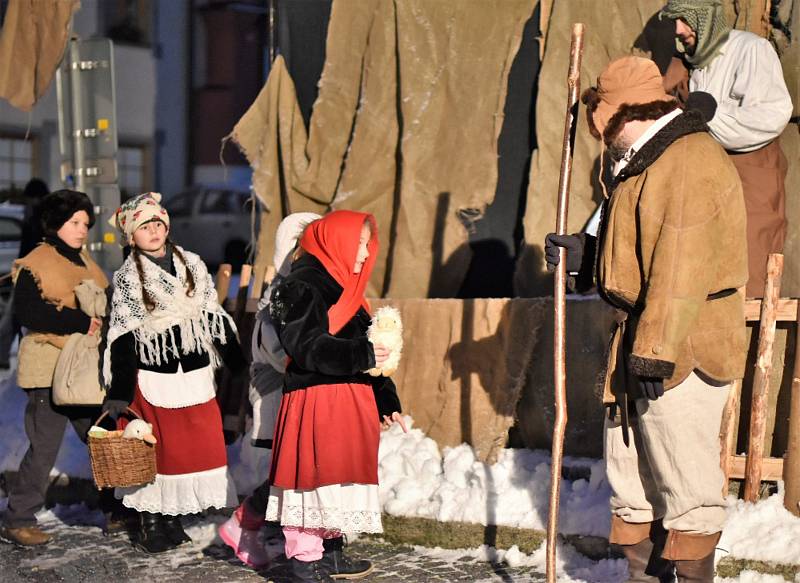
<point x="758" y="411"/>
<point x="559" y="352"/>
<point x="791" y="467"/>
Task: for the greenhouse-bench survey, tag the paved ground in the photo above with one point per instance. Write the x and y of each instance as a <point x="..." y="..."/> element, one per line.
<point x="80" y="553"/>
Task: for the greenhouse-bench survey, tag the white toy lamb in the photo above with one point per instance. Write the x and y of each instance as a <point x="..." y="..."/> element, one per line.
<point x="386" y="329"/>
<point x="139" y="429"/>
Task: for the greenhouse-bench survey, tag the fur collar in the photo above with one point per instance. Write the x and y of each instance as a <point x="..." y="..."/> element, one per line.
<point x="689" y="122"/>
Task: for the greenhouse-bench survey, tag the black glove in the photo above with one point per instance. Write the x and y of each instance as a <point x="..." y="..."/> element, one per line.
<point x="651" y="387"/>
<point x="702" y="102"/>
<point x="115" y="407"/>
<point x="572" y="243"/>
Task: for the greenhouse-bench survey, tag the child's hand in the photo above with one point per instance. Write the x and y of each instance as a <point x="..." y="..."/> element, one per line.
<point x="94" y="326"/>
<point x="395" y="418"/>
<point x="381" y="354"/>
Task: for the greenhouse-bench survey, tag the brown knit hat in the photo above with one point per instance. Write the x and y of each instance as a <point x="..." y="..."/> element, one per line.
<point x="627" y="81"/>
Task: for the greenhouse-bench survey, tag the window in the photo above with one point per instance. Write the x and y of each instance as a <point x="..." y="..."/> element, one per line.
<point x="180" y="205"/>
<point x="131" y="168"/>
<point x="16" y="165"/>
<point x="216" y="202"/>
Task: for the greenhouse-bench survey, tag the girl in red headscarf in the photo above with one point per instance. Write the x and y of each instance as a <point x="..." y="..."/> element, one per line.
<point x="325" y="458"/>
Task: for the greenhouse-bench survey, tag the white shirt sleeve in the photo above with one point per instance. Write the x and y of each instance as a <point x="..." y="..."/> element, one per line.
<point x="757" y="107"/>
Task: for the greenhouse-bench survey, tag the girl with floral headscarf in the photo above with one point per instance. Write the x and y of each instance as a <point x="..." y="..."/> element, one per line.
<point x="167" y="334"/>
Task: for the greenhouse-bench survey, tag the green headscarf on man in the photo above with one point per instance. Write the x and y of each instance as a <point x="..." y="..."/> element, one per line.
<point x="707" y="19"/>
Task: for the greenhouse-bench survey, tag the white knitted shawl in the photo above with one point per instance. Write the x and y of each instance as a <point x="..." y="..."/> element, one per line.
<point x="199" y="317"/>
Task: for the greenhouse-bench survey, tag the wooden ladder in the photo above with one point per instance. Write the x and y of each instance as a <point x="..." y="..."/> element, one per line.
<point x="754" y="468"/>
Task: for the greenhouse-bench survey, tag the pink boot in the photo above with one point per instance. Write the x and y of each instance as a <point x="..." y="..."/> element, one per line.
<point x="240" y="532"/>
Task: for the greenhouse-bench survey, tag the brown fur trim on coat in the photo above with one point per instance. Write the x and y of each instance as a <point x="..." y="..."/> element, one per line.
<point x="637" y="112"/>
<point x="689" y="122"/>
<point x="650" y="367"/>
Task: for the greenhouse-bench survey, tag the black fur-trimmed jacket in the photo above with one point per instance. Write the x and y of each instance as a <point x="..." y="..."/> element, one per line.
<point x="299" y="308"/>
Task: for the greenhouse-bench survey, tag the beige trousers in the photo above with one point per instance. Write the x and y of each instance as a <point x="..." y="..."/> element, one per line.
<point x="671" y="469"/>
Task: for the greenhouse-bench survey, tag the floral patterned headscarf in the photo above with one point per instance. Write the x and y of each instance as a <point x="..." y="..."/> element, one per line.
<point x="137" y="211"/>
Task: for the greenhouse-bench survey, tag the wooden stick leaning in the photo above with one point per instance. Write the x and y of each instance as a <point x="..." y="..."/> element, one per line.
<point x="559" y="301"/>
<point x="791" y="467"/>
<point x="758" y="411"/>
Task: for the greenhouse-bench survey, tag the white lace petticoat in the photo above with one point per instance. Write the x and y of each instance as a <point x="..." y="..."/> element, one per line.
<point x="182" y="493"/>
<point x="348" y="508"/>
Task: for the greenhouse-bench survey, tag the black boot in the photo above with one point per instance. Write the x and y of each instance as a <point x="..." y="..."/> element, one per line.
<point x="309" y="572"/>
<point x="339" y="565"/>
<point x="174" y="531"/>
<point x="152" y="538"/>
<point x="119" y="519"/>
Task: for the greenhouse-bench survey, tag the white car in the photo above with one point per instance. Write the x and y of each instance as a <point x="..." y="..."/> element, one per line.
<point x="214" y="222"/>
<point x="11" y="217"/>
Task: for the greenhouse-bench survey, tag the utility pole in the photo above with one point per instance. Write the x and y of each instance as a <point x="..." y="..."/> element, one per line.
<point x="87" y="132"/>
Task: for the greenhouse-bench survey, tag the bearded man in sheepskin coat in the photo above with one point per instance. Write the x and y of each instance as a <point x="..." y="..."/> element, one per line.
<point x="672" y="258"/>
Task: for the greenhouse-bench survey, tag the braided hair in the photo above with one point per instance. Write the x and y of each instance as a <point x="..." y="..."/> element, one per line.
<point x="149" y="303"/>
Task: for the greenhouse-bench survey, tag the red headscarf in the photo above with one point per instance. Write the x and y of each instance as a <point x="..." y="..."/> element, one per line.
<point x="334" y="240"/>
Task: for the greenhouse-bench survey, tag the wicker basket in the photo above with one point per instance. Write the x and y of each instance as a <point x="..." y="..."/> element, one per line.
<point x="119" y="462"/>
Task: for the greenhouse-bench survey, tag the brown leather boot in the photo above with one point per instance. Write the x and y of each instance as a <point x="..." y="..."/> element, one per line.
<point x="697" y="571"/>
<point x="645" y="565"/>
<point x="693" y="555"/>
<point x="25" y="536"/>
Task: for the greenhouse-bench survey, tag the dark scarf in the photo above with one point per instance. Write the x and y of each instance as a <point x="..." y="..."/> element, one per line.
<point x="164" y="262"/>
<point x="73" y="255"/>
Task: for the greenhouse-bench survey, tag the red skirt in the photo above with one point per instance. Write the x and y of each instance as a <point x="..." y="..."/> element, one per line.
<point x="189" y="439"/>
<point x="324" y="435"/>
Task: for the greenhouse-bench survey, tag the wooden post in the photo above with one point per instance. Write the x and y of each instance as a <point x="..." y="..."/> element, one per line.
<point x="223" y="281"/>
<point x="259" y="273"/>
<point x="791" y="467"/>
<point x="727" y="436"/>
<point x="241" y="295"/>
<point x="559" y="299"/>
<point x="758" y="413"/>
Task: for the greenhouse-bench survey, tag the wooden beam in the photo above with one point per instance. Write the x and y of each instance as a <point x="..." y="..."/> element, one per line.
<point x="727" y="436"/>
<point x="791" y="478"/>
<point x="771" y="468"/>
<point x="785" y="312"/>
<point x="223" y="281"/>
<point x="258" y="281"/>
<point x="758" y="409"/>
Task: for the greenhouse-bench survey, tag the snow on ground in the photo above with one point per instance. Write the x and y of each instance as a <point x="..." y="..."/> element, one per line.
<point x="417" y="479"/>
<point x="765" y="531"/>
<point x="571" y="566"/>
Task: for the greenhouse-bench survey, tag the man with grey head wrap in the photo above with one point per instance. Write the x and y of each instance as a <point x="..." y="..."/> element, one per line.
<point x="743" y="73"/>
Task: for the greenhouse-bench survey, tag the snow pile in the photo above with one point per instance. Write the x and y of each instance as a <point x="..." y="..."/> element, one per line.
<point x="416" y="480"/>
<point x="765" y="531"/>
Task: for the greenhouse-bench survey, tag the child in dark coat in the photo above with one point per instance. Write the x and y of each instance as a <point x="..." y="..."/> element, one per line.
<point x="324" y="470"/>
